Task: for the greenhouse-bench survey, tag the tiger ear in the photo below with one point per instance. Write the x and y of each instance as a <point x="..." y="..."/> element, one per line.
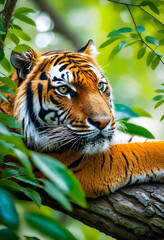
<point x="23" y="63"/>
<point x="89" y="49"/>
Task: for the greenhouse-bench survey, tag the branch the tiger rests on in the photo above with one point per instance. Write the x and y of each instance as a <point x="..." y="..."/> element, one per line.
<point x="64" y="105"/>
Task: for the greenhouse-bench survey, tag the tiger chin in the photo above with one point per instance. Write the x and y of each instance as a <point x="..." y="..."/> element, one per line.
<point x="65" y="107"/>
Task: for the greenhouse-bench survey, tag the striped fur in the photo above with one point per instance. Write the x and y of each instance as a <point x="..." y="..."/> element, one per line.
<point x="65" y="107"/>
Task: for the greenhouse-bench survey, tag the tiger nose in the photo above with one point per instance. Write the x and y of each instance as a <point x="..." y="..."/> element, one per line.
<point x="100" y="122"/>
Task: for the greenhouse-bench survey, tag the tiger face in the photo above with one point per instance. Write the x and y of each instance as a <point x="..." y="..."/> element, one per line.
<point x="63" y="101"/>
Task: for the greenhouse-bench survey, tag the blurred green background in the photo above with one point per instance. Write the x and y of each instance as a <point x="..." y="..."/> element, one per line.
<point x="68" y="25"/>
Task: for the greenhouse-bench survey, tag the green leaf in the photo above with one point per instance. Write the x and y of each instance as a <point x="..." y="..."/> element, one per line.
<point x="158" y="54"/>
<point x="120" y="31"/>
<point x="10" y="185"/>
<point x="24" y="18"/>
<point x="159" y="91"/>
<point x="16" y="142"/>
<point x="159" y="104"/>
<point x="8" y="214"/>
<point x="54" y="192"/>
<point x="158" y="97"/>
<point x="141" y="53"/>
<point x="24" y="10"/>
<point x="117" y="49"/>
<point x="27" y="179"/>
<point x="13" y="38"/>
<point x="152" y="40"/>
<point x="131" y="43"/>
<point x="150" y="58"/>
<point x="134" y="35"/>
<point x="8" y="81"/>
<point x="141" y="112"/>
<point x="151" y="5"/>
<point x="1" y="54"/>
<point x="23" y="158"/>
<point x="162" y="118"/>
<point x="124" y="111"/>
<point x="140" y="29"/>
<point x="7" y="234"/>
<point x="21" y="48"/>
<point x="4" y="130"/>
<point x="33" y="195"/>
<point x="8" y="173"/>
<point x="48" y="226"/>
<point x="6" y="64"/>
<point x="155" y="63"/>
<point x="5" y="148"/>
<point x="12" y="164"/>
<point x="9" y="121"/>
<point x="109" y="41"/>
<point x="3" y="97"/>
<point x="61" y="176"/>
<point x="17" y="27"/>
<point x="137" y="130"/>
<point x="6" y="89"/>
<point x="20" y="34"/>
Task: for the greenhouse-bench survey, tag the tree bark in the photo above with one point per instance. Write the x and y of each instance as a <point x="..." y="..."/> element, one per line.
<point x="7" y="15"/>
<point x="131" y="213"/>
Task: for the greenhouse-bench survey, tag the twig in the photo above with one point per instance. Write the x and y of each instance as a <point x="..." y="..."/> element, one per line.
<point x="141" y="36"/>
<point x="123" y="3"/>
<point x="7" y="13"/>
<point x="151" y="16"/>
<point x="135" y="5"/>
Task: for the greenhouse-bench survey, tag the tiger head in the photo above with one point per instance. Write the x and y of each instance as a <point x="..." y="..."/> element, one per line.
<point x="63" y="101"/>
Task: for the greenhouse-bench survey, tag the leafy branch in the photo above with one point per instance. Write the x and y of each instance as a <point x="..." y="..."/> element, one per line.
<point x="139" y="34"/>
<point x="139" y="30"/>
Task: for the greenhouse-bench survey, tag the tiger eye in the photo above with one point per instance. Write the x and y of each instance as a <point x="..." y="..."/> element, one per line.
<point x="100" y="85"/>
<point x="63" y="89"/>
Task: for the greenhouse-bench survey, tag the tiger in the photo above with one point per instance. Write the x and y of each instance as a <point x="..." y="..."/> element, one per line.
<point x="65" y="107"/>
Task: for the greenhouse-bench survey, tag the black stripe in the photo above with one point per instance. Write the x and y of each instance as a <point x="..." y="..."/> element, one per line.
<point x="136" y="157"/>
<point x="76" y="163"/>
<point x="49" y="86"/>
<point x="58" y="60"/>
<point x="43" y="67"/>
<point x="29" y="105"/>
<point x="43" y="76"/>
<point x="103" y="162"/>
<point x="64" y="66"/>
<point x="40" y="88"/>
<point x="54" y="101"/>
<point x="111" y="162"/>
<point x="127" y="164"/>
<point x="130" y="139"/>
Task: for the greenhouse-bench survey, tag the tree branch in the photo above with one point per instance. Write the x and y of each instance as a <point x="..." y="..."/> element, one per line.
<point x="132" y="213"/>
<point x="7" y="15"/>
<point x="60" y="26"/>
